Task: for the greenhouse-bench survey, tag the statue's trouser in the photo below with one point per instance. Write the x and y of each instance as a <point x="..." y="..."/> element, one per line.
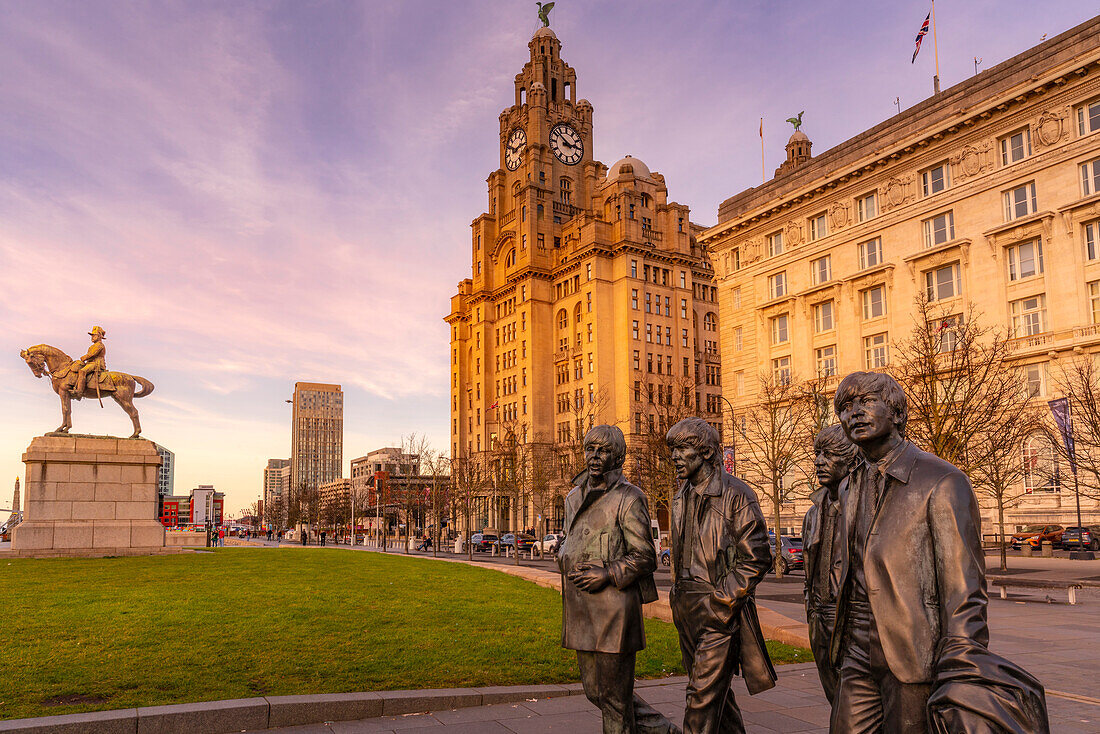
<point x="710" y="650"/>
<point x="821" y="632"/>
<point x="869" y="699"/>
<point x="608" y="680"/>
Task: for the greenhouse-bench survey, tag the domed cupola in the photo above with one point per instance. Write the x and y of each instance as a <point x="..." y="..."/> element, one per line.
<point x="798" y="148"/>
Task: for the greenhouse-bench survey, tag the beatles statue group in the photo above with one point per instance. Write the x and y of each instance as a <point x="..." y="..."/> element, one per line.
<point x="895" y="583"/>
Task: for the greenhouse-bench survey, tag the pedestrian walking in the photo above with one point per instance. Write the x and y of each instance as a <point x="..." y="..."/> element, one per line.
<point x="323" y="534"/>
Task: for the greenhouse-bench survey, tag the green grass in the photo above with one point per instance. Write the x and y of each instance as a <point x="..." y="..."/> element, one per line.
<point x="90" y="634"/>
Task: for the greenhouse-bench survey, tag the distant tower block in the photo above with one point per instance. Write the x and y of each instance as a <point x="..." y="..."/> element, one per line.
<point x="15" y="498"/>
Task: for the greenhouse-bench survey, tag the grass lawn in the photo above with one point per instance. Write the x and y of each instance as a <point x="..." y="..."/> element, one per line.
<point x="89" y="634"/>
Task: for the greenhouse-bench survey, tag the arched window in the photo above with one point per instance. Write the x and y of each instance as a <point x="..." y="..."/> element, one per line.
<point x="577" y="314"/>
<point x="710" y="323"/>
<point x="515" y="189"/>
<point x="645" y="201"/>
<point x="563" y="319"/>
<point x="565" y="191"/>
<point x="1041" y="471"/>
<point x="510" y="259"/>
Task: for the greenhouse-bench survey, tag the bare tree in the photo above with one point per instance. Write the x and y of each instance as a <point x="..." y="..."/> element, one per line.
<point x="436" y="465"/>
<point x="470" y="480"/>
<point x="775" y="444"/>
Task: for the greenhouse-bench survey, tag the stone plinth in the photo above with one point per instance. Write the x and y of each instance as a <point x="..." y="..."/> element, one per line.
<point x="89" y="496"/>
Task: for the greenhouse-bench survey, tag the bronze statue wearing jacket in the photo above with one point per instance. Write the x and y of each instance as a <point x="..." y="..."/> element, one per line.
<point x="607" y="562"/>
<point x="834" y="456"/>
<point x="912" y="568"/>
<point x="720" y="552"/>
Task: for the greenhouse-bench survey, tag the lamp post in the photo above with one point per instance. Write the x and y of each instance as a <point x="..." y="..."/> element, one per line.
<point x="733" y="432"/>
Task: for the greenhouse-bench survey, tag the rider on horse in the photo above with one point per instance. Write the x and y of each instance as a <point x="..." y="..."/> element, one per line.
<point x="94" y="362"/>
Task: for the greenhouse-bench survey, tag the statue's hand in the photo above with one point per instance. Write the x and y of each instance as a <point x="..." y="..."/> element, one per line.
<point x="590" y="578"/>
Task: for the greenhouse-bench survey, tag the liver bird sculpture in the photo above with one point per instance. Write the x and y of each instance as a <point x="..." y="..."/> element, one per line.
<point x="544" y="13"/>
<point x="796" y="121"/>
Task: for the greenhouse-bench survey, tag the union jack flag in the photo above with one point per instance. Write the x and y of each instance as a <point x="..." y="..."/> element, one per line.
<point x="920" y="36"/>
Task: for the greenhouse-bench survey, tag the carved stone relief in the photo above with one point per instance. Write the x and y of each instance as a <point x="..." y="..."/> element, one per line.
<point x="838" y="215"/>
<point x="793" y="234"/>
<point x="1051" y="128"/>
<point x="972" y="160"/>
<point x="751" y="252"/>
<point x="898" y="191"/>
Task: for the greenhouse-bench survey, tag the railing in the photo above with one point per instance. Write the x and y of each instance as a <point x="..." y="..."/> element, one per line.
<point x="651" y="235"/>
<point x="508" y="218"/>
<point x="565" y="211"/>
<point x="1030" y="342"/>
<point x="1086" y="331"/>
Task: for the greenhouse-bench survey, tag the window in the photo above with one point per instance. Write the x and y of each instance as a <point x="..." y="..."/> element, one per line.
<point x="1092" y="240"/>
<point x="1088" y="117"/>
<point x="589" y="268"/>
<point x="635" y="330"/>
<point x="866" y="208"/>
<point x="935" y="180"/>
<point x="1090" y="178"/>
<point x="781" y="368"/>
<point x="943" y="283"/>
<point x="775" y="244"/>
<point x="637" y="360"/>
<point x="668" y="306"/>
<point x="870" y="253"/>
<point x="738" y="339"/>
<point x="649" y="303"/>
<point x="633" y="268"/>
<point x="649" y="333"/>
<point x="1020" y="201"/>
<point x="735" y="259"/>
<point x="565" y="191"/>
<point x="1040" y="465"/>
<point x="563" y="319"/>
<point x="1036" y="380"/>
<point x="875" y="352"/>
<point x="939" y="229"/>
<point x="823" y="317"/>
<point x="777" y="285"/>
<point x="1029" y="316"/>
<point x="1025" y="260"/>
<point x="683" y="308"/>
<point x="826" y="361"/>
<point x="740" y="383"/>
<point x="634" y="298"/>
<point x="820" y="270"/>
<point x="1015" y="147"/>
<point x="684" y="335"/>
<point x="780" y="332"/>
<point x="683" y="279"/>
<point x="818" y="227"/>
<point x="948" y="330"/>
<point x="1094" y="301"/>
<point x="737" y="298"/>
<point x="874" y="302"/>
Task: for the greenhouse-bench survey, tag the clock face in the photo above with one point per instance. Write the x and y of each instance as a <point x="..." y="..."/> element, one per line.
<point x="517" y="141"/>
<point x="566" y="144"/>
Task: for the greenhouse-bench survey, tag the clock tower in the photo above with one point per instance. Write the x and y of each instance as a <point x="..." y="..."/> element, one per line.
<point x="547" y="332"/>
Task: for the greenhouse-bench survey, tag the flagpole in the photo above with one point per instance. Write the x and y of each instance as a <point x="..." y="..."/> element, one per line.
<point x="936" y="49"/>
<point x="763" y="168"/>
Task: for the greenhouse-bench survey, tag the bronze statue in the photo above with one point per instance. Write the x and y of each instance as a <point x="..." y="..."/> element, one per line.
<point x="607" y="562"/>
<point x="720" y="552"/>
<point x="834" y="457"/>
<point x="797" y="120"/>
<point x="544" y="13"/>
<point x="911" y="637"/>
<point x="70" y="378"/>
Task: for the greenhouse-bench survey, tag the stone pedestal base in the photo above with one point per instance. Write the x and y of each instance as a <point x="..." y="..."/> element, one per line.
<point x="89" y="496"/>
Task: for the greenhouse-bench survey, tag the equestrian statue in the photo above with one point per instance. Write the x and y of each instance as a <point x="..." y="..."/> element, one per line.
<point x="86" y="377"/>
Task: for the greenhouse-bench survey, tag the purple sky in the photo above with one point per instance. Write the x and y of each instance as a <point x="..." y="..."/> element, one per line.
<point x="249" y="194"/>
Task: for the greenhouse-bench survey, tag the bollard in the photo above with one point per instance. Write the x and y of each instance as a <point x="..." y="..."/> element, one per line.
<point x="1026" y="550"/>
<point x="1048" y="549"/>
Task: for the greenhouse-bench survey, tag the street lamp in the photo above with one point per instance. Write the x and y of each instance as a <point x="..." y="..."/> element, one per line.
<point x="733" y="432"/>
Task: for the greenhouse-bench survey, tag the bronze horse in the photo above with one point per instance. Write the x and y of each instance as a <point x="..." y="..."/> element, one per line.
<point x="44" y="359"/>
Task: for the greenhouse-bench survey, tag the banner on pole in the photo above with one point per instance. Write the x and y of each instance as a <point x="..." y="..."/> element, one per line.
<point x="1064" y="421"/>
<point x="729" y="459"/>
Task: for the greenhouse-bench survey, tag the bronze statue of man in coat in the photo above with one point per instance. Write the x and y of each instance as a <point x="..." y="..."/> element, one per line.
<point x="607" y="562"/>
<point x="834" y="457"/>
<point x="911" y="637"/>
<point x="720" y="552"/>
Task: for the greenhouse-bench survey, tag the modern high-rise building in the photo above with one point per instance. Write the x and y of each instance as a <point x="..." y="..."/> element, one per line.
<point x="589" y="301"/>
<point x="276" y="483"/>
<point x="985" y="197"/>
<point x="317" y="434"/>
<point x="166" y="474"/>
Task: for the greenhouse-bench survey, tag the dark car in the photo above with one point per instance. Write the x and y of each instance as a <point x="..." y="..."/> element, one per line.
<point x="666" y="557"/>
<point x="483" y="542"/>
<point x="511" y="540"/>
<point x="1085" y="538"/>
<point x="790" y="552"/>
<point x="1034" y="535"/>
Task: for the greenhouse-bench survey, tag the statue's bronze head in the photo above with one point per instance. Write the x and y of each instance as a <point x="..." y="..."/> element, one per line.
<point x="34" y="361"/>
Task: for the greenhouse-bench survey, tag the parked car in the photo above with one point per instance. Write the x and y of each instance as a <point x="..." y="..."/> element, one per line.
<point x="1036" y="534"/>
<point x="549" y="543"/>
<point x="790" y="552"/>
<point x="666" y="557"/>
<point x="483" y="542"/>
<point x="1083" y="538"/>
<point x="511" y="540"/>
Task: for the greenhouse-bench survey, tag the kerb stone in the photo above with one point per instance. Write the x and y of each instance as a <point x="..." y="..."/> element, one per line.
<point x="396" y="703"/>
<point x="119" y="721"/>
<point x="211" y="717"/>
<point x="295" y="710"/>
